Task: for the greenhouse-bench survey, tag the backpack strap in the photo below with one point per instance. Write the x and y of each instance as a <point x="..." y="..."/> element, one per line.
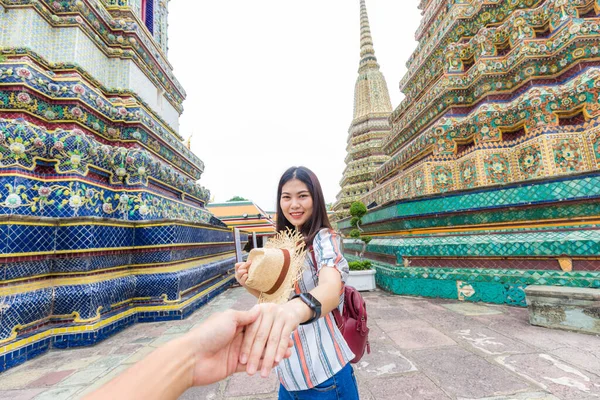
<point x="339" y="320"/>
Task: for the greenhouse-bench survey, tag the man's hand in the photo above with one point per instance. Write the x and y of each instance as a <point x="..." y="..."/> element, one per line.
<point x="218" y="342"/>
<point x="267" y="339"/>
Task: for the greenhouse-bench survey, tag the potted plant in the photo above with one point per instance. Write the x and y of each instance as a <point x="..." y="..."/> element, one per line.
<point x="362" y="275"/>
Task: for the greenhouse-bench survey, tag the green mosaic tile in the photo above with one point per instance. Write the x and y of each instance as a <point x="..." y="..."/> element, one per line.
<point x="520" y="244"/>
<point x="582" y="188"/>
<point x="489" y="285"/>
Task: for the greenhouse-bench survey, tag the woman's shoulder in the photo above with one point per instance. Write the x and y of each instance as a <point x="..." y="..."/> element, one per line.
<point x="325" y="234"/>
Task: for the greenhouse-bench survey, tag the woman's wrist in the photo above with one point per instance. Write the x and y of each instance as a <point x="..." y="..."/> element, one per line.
<point x="301" y="311"/>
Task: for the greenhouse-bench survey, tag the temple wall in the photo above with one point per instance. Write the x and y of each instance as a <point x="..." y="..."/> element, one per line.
<point x="26" y="28"/>
<point x="102" y="221"/>
<point x="494" y="155"/>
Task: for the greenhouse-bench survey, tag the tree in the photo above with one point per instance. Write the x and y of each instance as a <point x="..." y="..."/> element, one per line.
<point x="237" y="198"/>
<point x="359" y="210"/>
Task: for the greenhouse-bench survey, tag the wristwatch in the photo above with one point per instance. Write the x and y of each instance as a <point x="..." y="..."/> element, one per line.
<point x="312" y="303"/>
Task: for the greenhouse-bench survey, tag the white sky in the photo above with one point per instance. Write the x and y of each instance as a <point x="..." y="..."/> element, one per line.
<point x="270" y="84"/>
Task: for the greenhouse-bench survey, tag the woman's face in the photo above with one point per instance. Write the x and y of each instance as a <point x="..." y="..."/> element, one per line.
<point x="296" y="202"/>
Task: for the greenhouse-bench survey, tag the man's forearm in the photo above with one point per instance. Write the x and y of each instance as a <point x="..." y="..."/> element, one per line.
<point x="164" y="374"/>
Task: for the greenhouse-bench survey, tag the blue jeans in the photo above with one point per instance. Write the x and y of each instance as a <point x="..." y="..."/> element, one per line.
<point x="340" y="386"/>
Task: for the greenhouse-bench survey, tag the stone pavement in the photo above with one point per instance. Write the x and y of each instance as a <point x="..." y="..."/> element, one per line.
<point x="421" y="349"/>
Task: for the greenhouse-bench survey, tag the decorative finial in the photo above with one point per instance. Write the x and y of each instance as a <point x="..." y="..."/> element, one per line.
<point x="367" y="52"/>
<point x="188" y="142"/>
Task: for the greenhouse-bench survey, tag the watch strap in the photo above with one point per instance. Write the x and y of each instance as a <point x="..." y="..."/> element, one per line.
<point x="312" y="303"/>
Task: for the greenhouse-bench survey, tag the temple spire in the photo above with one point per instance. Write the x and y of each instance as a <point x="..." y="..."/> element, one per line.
<point x="370" y="125"/>
<point x="367" y="52"/>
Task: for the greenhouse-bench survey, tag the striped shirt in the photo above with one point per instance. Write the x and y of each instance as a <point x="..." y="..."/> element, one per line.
<point x="320" y="350"/>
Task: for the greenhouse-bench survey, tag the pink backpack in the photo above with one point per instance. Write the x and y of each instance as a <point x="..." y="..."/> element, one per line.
<point x="353" y="322"/>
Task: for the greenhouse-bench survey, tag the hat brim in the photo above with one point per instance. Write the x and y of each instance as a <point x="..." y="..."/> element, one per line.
<point x="294" y="243"/>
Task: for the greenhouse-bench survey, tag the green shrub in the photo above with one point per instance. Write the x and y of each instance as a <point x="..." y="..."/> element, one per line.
<point x="360" y="265"/>
<point x="358" y="209"/>
<point x="355" y="233"/>
<point x="354" y="221"/>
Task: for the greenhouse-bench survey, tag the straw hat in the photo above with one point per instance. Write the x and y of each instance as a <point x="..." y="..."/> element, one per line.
<point x="276" y="268"/>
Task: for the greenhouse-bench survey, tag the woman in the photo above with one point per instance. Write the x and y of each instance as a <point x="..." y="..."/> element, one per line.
<point x="319" y="367"/>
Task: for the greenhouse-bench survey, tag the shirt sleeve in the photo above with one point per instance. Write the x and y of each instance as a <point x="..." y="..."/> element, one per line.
<point x="328" y="252"/>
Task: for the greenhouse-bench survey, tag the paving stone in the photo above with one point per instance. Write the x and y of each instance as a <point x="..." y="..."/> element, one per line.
<point x="363" y="391"/>
<point x="442" y="318"/>
<point x="375" y="332"/>
<point x="385" y="359"/>
<point x="50" y="359"/>
<point x="98" y="383"/>
<point x="138" y="355"/>
<point x="554" y="375"/>
<point x="243" y="384"/>
<point x="61" y="393"/>
<point x="518" y="314"/>
<point x="69" y="362"/>
<point x="210" y="392"/>
<point x="419" y="338"/>
<point x="416" y="305"/>
<point x="163" y="339"/>
<point x="127" y="350"/>
<point x="22" y="378"/>
<point x="520" y="396"/>
<point x="464" y="374"/>
<point x="83" y="377"/>
<point x="589" y="360"/>
<point x="544" y="338"/>
<point x="471" y="309"/>
<point x="394" y="324"/>
<point x="178" y="329"/>
<point x="25" y="394"/>
<point x="107" y="363"/>
<point x="410" y="386"/>
<point x="51" y="378"/>
<point x="490" y="342"/>
<point x="432" y="348"/>
<point x="143" y="340"/>
<point x="506" y="319"/>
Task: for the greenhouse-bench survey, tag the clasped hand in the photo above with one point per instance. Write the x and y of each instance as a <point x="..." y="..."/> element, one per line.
<point x="266" y="340"/>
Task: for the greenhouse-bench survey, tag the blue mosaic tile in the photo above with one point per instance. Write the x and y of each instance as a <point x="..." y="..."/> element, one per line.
<point x="4" y="239"/>
<point x="192" y="277"/>
<point x="108" y="261"/>
<point x="148" y="236"/>
<point x="155" y="285"/>
<point x="23" y="309"/>
<point x="75" y="237"/>
<point x="150" y="257"/>
<point x="113" y="236"/>
<point x="23" y="269"/>
<point x="87" y="299"/>
<point x="30" y="238"/>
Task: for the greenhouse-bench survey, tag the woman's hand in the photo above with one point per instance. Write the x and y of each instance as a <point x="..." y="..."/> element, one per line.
<point x="218" y="342"/>
<point x="269" y="335"/>
<point x="241" y="272"/>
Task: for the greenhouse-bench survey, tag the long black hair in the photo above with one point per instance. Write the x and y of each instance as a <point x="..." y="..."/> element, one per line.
<point x="318" y="220"/>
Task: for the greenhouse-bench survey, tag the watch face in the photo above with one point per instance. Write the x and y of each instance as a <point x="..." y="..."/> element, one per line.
<point x="311" y="301"/>
<point x="313" y="304"/>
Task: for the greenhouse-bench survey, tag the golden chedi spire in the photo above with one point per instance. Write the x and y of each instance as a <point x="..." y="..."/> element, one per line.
<point x="367" y="52"/>
<point x="370" y="93"/>
<point x="372" y="108"/>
